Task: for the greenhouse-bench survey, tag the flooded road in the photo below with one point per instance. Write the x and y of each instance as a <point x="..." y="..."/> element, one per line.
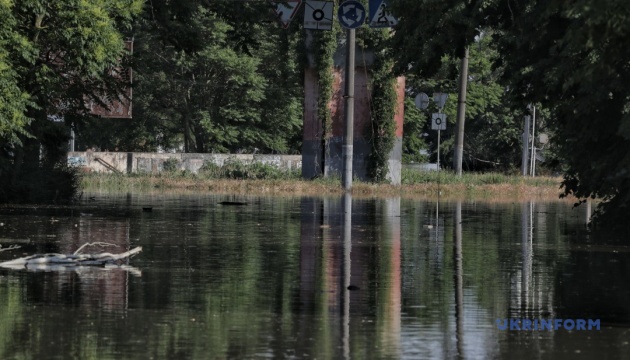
<point x="263" y="277"/>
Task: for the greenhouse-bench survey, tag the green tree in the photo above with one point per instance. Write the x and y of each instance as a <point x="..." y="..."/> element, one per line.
<point x="57" y="55"/>
<point x="577" y="62"/>
<point x="214" y="80"/>
<point x="13" y="100"/>
<point x="571" y="57"/>
<point x="414" y="143"/>
<point x="493" y="130"/>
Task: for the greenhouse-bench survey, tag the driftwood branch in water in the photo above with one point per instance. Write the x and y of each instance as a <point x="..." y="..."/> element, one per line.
<point x="70" y="260"/>
<point x="98" y="243"/>
<point x="12" y="247"/>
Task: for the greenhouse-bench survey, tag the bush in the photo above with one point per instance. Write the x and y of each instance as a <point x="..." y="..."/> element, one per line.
<point x="41" y="184"/>
<point x="170" y="165"/>
<point x="236" y="169"/>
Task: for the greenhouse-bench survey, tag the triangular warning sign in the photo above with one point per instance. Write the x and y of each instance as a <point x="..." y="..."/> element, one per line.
<point x="380" y="17"/>
<point x="286" y="10"/>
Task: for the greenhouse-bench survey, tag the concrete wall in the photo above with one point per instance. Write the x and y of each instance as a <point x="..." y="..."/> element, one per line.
<point x="154" y="163"/>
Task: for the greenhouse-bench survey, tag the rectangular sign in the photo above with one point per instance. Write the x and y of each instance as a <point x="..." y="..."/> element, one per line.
<point x="438" y="121"/>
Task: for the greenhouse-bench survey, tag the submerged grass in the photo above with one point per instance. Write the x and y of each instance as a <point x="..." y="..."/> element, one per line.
<point x="415" y="184"/>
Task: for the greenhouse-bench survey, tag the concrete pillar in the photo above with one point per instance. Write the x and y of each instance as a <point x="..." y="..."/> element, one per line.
<point x="322" y="153"/>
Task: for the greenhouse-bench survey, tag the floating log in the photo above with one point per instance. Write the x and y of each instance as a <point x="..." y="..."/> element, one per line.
<point x="237" y="203"/>
<point x="53" y="260"/>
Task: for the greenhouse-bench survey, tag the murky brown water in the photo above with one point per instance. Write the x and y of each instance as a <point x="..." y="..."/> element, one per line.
<point x="269" y="279"/>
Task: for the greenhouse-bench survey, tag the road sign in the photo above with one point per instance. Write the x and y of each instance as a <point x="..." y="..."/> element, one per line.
<point x="351" y="14"/>
<point x="422" y="101"/>
<point x="318" y="15"/>
<point x="286" y="10"/>
<point x="438" y="121"/>
<point x="380" y="17"/>
<point x="440" y="99"/>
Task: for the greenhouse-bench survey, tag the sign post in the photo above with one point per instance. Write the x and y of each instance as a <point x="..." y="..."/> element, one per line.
<point x="351" y="15"/>
<point x="438" y="123"/>
<point x="439" y="119"/>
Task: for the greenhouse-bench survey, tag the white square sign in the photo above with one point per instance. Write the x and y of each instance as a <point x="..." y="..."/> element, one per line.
<point x="438" y="121"/>
<point x="318" y="15"/>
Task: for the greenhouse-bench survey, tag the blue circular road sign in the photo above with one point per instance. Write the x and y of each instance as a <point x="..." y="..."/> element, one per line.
<point x="351" y="14"/>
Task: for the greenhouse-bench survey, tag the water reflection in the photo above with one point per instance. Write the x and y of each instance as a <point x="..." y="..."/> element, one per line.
<point x="347" y="273"/>
<point x="360" y="271"/>
<point x="102" y="287"/>
<point x="459" y="281"/>
<point x="271" y="279"/>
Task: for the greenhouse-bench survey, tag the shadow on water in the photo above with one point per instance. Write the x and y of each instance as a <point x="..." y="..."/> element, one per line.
<point x="313" y="278"/>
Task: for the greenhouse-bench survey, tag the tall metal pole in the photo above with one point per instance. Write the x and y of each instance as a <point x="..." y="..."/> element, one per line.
<point x="533" y="156"/>
<point x="461" y="114"/>
<point x="525" y="154"/>
<point x="349" y="113"/>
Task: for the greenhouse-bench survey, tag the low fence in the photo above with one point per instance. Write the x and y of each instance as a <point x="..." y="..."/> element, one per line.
<point x="127" y="163"/>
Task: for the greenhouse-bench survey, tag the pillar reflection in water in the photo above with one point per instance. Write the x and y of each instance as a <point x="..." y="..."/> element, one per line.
<point x="436" y="235"/>
<point x="391" y="332"/>
<point x="527" y="210"/>
<point x="458" y="281"/>
<point x="347" y="248"/>
<point x="350" y="281"/>
<point x="534" y="290"/>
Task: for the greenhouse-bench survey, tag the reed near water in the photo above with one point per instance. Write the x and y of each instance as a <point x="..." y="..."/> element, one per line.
<point x="259" y="180"/>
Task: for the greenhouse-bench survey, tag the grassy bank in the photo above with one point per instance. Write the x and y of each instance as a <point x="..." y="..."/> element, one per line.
<point x="488" y="186"/>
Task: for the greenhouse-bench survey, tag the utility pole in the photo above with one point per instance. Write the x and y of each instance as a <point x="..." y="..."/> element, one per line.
<point x="348" y="139"/>
<point x="525" y="154"/>
<point x="461" y="115"/>
<point x="533" y="153"/>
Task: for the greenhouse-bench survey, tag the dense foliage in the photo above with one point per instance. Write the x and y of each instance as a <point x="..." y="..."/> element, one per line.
<point x="210" y="77"/>
<point x="569" y="57"/>
<point x="214" y="77"/>
<point x="55" y="57"/>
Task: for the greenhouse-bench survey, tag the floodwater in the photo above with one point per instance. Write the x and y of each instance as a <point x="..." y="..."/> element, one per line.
<point x="270" y="279"/>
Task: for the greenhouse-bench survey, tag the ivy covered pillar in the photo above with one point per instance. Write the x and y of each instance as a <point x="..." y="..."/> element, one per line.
<point x="378" y="112"/>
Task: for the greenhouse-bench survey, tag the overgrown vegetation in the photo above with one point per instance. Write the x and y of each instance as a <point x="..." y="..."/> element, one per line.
<point x="41" y="184"/>
<point x="214" y="77"/>
<point x="170" y="165"/>
<point x="237" y="177"/>
<point x="410" y="177"/>
<point x="323" y="47"/>
<point x="55" y="57"/>
<point x="235" y="169"/>
<point x="383" y="105"/>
